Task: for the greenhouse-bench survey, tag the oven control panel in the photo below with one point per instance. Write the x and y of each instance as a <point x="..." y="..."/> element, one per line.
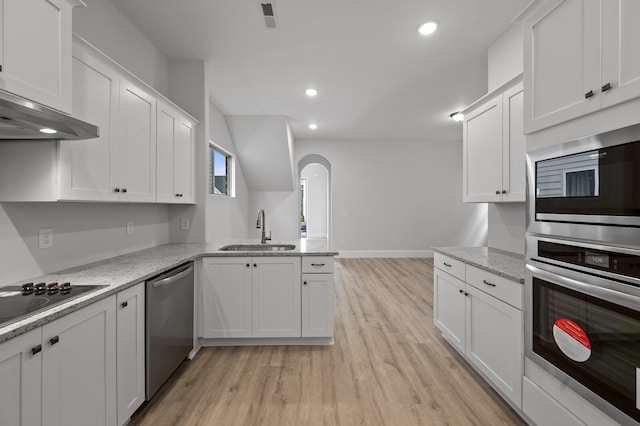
<point x="602" y="260"/>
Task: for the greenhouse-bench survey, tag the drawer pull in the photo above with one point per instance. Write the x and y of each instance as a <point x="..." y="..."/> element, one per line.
<point x="488" y="283"/>
<point x="588" y="94"/>
<point x="36" y="349"/>
<point x="606" y="87"/>
<point x="54" y="340"/>
<point x="446" y="264"/>
<point x="318" y="265"/>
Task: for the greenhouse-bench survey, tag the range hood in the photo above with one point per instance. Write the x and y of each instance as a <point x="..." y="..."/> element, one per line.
<point x="21" y="119"/>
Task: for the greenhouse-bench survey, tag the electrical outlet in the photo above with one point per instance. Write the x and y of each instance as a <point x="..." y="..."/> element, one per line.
<point x="45" y="238"/>
<point x="184" y="224"/>
<point x="129" y="228"/>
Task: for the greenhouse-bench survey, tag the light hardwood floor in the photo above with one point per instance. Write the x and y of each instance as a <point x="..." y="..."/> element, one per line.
<point x="389" y="366"/>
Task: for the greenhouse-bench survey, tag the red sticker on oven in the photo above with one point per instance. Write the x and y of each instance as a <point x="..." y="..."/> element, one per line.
<point x="572" y="340"/>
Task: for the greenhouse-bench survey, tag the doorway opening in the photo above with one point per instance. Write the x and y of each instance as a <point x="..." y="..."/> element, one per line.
<point x="315" y="197"/>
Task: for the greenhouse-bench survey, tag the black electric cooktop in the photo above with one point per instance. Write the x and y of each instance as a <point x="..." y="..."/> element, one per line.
<point x="18" y="302"/>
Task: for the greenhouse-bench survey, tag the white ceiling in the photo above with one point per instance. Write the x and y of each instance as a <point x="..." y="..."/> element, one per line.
<point x="377" y="77"/>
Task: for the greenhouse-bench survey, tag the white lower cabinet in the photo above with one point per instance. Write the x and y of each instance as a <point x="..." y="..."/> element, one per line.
<point x="250" y="297"/>
<point x="130" y="350"/>
<point x="543" y="409"/>
<point x="20" y="379"/>
<point x="62" y="373"/>
<point x="476" y="319"/>
<point x="79" y="367"/>
<point x="317" y="296"/>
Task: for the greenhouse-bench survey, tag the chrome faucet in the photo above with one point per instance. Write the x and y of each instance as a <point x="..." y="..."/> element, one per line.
<point x="261" y="223"/>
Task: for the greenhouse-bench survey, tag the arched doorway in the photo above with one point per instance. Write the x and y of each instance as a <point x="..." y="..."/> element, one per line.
<point x="315" y="197"/>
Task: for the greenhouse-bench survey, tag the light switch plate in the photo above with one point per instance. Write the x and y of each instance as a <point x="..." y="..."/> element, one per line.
<point x="129" y="228"/>
<point x="184" y="224"/>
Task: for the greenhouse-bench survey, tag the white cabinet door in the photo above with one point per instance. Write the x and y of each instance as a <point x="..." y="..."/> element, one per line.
<point x="561" y="63"/>
<point x="449" y="308"/>
<point x="226" y="297"/>
<point x="79" y="367"/>
<point x="183" y="170"/>
<point x="137" y="144"/>
<point x="494" y="342"/>
<point x="166" y="126"/>
<point x="513" y="145"/>
<point x="317" y="305"/>
<point x="620" y="53"/>
<point x="175" y="139"/>
<point x="130" y="344"/>
<point x="20" y="382"/>
<point x="35" y="51"/>
<point x="482" y="171"/>
<point x="276" y="297"/>
<point x="88" y="169"/>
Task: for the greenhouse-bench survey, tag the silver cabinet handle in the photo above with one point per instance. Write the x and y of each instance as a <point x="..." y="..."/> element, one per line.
<point x="171" y="279"/>
<point x="488" y="283"/>
<point x="446" y="264"/>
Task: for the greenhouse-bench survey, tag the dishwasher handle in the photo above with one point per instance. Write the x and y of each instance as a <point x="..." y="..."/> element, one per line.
<point x="173" y="278"/>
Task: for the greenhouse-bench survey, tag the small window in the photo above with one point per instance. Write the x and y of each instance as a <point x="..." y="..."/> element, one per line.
<point x="219" y="171"/>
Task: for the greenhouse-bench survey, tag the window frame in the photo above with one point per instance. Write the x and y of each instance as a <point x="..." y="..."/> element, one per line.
<point x="230" y="166"/>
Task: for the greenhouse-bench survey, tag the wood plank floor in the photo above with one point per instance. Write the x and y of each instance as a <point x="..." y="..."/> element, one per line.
<point x="389" y="366"/>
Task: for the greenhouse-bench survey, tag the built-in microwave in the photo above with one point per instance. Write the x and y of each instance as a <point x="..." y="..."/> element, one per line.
<point x="587" y="189"/>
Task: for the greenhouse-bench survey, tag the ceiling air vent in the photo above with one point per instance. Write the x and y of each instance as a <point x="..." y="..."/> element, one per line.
<point x="269" y="16"/>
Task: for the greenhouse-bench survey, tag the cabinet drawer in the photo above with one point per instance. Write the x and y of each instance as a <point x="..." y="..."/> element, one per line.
<point x="449" y="265"/>
<point x="317" y="264"/>
<point x="506" y="290"/>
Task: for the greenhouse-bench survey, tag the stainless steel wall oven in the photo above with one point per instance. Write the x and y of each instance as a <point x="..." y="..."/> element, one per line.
<point x="583" y="321"/>
<point x="582" y="285"/>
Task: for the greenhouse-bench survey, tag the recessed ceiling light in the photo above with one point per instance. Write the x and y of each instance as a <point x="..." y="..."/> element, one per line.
<point x="456" y="116"/>
<point x="428" y="27"/>
<point x="48" y="131"/>
<point x="313" y="126"/>
<point x="311" y="92"/>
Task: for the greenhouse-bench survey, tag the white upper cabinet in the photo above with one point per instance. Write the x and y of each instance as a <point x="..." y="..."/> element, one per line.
<point x="120" y="165"/>
<point x="35" y="50"/>
<point x="579" y="56"/>
<point x="137" y="155"/>
<point x="175" y="139"/>
<point x="88" y="169"/>
<point x="494" y="148"/>
<point x="620" y="53"/>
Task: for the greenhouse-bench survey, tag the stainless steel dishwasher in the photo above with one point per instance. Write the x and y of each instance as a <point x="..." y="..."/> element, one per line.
<point x="169" y="324"/>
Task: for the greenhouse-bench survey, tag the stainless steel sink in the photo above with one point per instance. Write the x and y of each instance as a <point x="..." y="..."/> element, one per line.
<point x="258" y="247"/>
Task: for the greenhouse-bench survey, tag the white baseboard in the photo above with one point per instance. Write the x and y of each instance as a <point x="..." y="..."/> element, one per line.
<point x="385" y="253"/>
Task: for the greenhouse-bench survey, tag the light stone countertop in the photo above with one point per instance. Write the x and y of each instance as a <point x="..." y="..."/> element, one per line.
<point x="503" y="263"/>
<point x="121" y="272"/>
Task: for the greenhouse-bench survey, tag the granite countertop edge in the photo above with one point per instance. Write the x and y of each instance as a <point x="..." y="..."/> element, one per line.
<point x="500" y="262"/>
<point x="118" y="273"/>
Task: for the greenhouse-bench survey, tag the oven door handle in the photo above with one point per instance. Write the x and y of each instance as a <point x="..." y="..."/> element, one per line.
<point x="595" y="286"/>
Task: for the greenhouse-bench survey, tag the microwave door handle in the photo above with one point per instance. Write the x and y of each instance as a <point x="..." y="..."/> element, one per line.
<point x="586" y="284"/>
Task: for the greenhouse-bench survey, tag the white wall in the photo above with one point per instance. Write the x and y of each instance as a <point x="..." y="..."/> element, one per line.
<point x="227" y="217"/>
<point x="507" y="226"/>
<point x="505" y="57"/>
<point x="105" y="27"/>
<point x="398" y="197"/>
<point x="281" y="212"/>
<point x="506" y="221"/>
<point x="83" y="233"/>
<point x="317" y="200"/>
